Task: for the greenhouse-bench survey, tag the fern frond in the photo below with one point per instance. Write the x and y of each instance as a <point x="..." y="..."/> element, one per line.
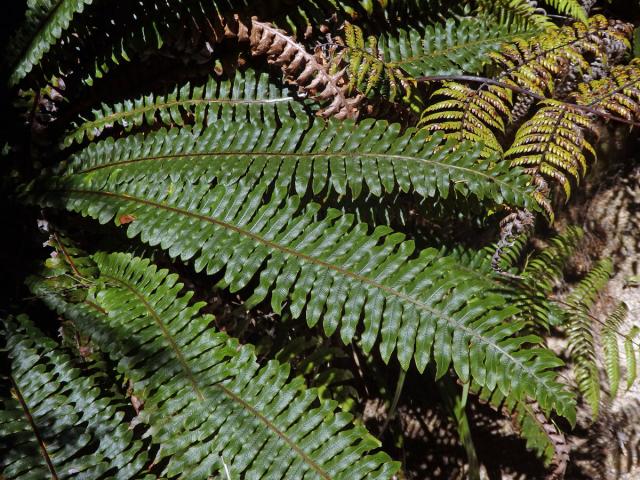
<point x="342" y="155"/>
<point x="312" y="75"/>
<point x="610" y="332"/>
<point x="582" y="345"/>
<point x="58" y="422"/>
<point x="338" y="273"/>
<point x="573" y="8"/>
<point x="630" y="355"/>
<point x="541" y="434"/>
<point x="458" y="46"/>
<point x="470" y="114"/>
<point x="248" y="97"/>
<point x="617" y="94"/>
<point x="214" y="395"/>
<point x="43" y="26"/>
<point x="552" y="143"/>
<point x="538" y="65"/>
<point x="367" y="71"/>
<point x="522" y="15"/>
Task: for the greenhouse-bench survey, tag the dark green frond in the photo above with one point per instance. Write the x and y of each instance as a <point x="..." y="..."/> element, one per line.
<point x="519" y="14"/>
<point x="58" y="423"/>
<point x="455" y="47"/>
<point x="417" y="303"/>
<point x="248" y="97"/>
<point x="213" y="395"/>
<point x="44" y="25"/>
<point x="342" y="155"/>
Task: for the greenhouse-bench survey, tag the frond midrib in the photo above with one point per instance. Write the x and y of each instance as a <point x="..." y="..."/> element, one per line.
<point x="34" y="428"/>
<point x="185" y="367"/>
<point x="311" y="155"/>
<point x="165" y="105"/>
<point x="347" y="273"/>
<point x="36" y="35"/>
<point x="452" y="49"/>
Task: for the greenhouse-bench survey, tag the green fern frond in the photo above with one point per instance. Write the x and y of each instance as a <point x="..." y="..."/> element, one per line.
<point x="248" y="97"/>
<point x="342" y="155"/>
<point x="368" y="72"/>
<point x="214" y="395"/>
<point x="518" y="14"/>
<point x="610" y="332"/>
<point x="455" y="47"/>
<point x="338" y="273"/>
<point x="43" y="26"/>
<point x="630" y="355"/>
<point x="552" y="143"/>
<point x="582" y="345"/>
<point x="573" y="8"/>
<point x="58" y="422"/>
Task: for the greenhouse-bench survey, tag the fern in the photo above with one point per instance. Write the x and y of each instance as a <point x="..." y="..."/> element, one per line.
<point x="342" y="155"/>
<point x="367" y="71"/>
<point x="269" y="181"/>
<point x="520" y="14"/>
<point x="552" y="143"/>
<point x="572" y="8"/>
<point x="581" y="339"/>
<point x="43" y="26"/>
<point x="393" y="62"/>
<point x="536" y="65"/>
<point x="214" y="395"/>
<point x="371" y="274"/>
<point x="610" y="334"/>
<point x="248" y="96"/>
<point x="57" y="421"/>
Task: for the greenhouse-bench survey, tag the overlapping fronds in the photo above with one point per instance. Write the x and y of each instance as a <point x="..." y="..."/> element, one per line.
<point x="391" y="63"/>
<point x="537" y="65"/>
<point x="248" y="97"/>
<point x="44" y="24"/>
<point x="340" y="274"/>
<point x="315" y="358"/>
<point x="214" y="395"/>
<point x="542" y="273"/>
<point x="58" y="422"/>
<point x="582" y="344"/>
<point x="344" y="155"/>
